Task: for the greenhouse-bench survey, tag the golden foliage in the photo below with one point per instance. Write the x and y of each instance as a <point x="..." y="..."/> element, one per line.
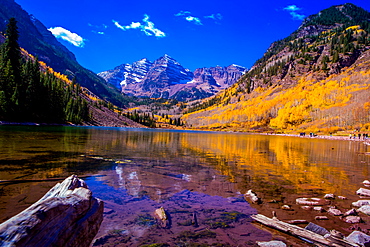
<point x="281" y="108"/>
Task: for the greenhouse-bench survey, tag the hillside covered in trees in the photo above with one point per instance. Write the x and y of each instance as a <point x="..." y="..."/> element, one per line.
<point x="30" y="91"/>
<point x="317" y="78"/>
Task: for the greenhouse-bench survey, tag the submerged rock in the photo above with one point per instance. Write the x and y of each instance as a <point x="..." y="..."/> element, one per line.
<point x="162" y="217"/>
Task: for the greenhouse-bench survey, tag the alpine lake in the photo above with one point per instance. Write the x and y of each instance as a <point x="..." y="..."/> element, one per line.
<point x="136" y="171"/>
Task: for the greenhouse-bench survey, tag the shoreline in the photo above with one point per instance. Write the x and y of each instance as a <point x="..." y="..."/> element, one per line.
<point x="327" y="137"/>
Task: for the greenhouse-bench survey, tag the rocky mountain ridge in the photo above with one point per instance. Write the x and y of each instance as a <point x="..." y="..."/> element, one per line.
<point x="326" y="45"/>
<point x="167" y="78"/>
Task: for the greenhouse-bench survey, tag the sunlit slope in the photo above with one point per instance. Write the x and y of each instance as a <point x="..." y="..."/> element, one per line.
<point x="337" y="101"/>
<point x="315" y="78"/>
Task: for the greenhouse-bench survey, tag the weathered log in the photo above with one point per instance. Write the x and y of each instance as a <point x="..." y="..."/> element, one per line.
<point x="300" y="232"/>
<point x="67" y="215"/>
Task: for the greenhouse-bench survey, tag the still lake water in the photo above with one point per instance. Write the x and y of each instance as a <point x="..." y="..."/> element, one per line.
<point x="143" y="169"/>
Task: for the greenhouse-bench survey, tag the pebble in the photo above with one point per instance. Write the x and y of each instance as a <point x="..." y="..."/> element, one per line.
<point x="320" y="209"/>
<point x="361" y="203"/>
<point x="329" y="196"/>
<point x="366" y="183"/>
<point x="350" y="212"/>
<point x="286" y="207"/>
<point x="363" y="192"/>
<point x="335" y="212"/>
<point x="321" y="217"/>
<point x="352" y="219"/>
<point x="365" y="209"/>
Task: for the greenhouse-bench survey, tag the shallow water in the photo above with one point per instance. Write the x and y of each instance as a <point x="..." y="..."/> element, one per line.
<point x="152" y="168"/>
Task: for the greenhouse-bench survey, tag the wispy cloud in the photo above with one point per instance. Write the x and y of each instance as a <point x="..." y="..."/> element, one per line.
<point x="196" y="20"/>
<point x="292" y="9"/>
<point x="183" y="13"/>
<point x="73" y="38"/>
<point x="187" y="16"/>
<point x="217" y="16"/>
<point x="98" y="28"/>
<point x="147" y="27"/>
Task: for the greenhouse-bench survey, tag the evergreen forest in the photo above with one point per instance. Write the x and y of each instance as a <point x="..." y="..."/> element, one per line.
<point x="30" y="92"/>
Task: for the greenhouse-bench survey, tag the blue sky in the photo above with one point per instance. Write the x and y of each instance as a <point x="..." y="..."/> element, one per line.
<point x="197" y="33"/>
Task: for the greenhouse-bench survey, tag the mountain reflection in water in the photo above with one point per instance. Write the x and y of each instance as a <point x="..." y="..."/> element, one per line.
<point x="153" y="166"/>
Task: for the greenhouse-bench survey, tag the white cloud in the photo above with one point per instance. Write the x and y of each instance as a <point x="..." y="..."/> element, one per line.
<point x="187" y="16"/>
<point x="147" y="27"/>
<point x="134" y="25"/>
<point x="193" y="19"/>
<point x="73" y="38"/>
<point x="217" y="16"/>
<point x="292" y="9"/>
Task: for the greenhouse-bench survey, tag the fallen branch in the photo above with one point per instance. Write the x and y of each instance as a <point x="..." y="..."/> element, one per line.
<point x="301" y="232"/>
<point x="67" y="215"/>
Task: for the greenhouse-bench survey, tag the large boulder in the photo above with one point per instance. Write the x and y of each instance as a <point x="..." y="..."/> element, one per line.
<point x="67" y="215"/>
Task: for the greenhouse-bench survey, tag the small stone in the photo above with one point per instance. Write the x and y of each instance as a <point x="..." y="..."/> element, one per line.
<point x="359" y="238"/>
<point x="342" y="197"/>
<point x="296" y="222"/>
<point x="286" y="207"/>
<point x="366" y="183"/>
<point x="352" y="212"/>
<point x="306" y="207"/>
<point x="329" y="196"/>
<point x="361" y="203"/>
<point x="253" y="196"/>
<point x="363" y="192"/>
<point x="335" y="212"/>
<point x="273" y="243"/>
<point x="311" y="201"/>
<point x="352" y="219"/>
<point x="321" y="217"/>
<point x="320" y="209"/>
<point x="365" y="209"/>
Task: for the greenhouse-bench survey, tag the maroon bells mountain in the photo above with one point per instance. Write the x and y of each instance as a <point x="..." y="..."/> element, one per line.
<point x="167" y="78"/>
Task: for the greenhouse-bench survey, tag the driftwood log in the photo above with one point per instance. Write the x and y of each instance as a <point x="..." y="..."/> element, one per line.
<point x="67" y="215"/>
<point x="297" y="231"/>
